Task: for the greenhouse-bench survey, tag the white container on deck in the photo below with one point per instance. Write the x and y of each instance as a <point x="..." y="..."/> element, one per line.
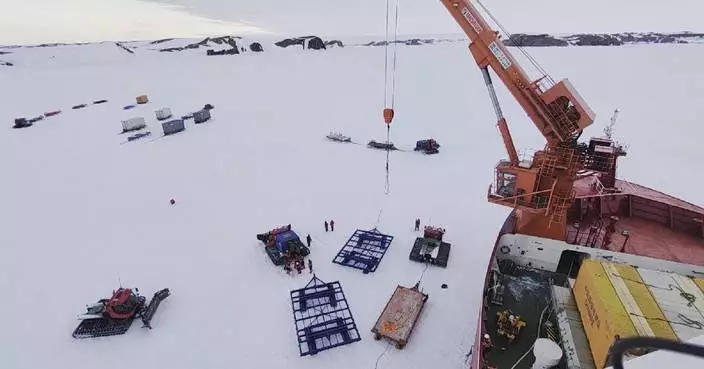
<point x="547" y="354"/>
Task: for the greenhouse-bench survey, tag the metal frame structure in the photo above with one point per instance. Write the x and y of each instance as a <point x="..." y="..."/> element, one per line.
<point x="322" y="316"/>
<point x="364" y="250"/>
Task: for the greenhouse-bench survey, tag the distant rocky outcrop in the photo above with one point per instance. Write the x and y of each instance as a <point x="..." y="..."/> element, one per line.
<point x="522" y="39"/>
<point x="161" y="41"/>
<point x="409" y="42"/>
<point x="229" y="40"/>
<point x="604" y="39"/>
<point x="334" y="43"/>
<point x="5" y="64"/>
<point x="123" y="47"/>
<point x="256" y="47"/>
<point x="306" y="42"/>
<point x="232" y="51"/>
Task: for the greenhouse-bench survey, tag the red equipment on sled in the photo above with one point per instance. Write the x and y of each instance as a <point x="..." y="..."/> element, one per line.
<point x="433" y="232"/>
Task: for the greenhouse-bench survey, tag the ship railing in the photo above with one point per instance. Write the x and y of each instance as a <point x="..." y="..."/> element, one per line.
<point x="525" y="159"/>
<point x="537" y="203"/>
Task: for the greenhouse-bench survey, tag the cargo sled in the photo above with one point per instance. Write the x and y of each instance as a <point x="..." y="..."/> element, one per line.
<point x="114" y="316"/>
<point x="381" y="145"/>
<point x="400" y="315"/>
<point x="282" y="241"/>
<point x="138" y="136"/>
<point x="338" y="137"/>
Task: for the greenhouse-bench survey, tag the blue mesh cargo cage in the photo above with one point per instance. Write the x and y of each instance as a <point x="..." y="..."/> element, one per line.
<point x="322" y="316"/>
<point x="364" y="250"/>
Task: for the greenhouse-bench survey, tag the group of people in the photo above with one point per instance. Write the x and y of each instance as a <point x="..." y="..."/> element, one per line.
<point x="295" y="260"/>
<point x="330" y="226"/>
<point x="509" y="325"/>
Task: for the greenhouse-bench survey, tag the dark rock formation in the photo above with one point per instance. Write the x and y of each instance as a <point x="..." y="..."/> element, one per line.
<point x="290" y="42"/>
<point x="597" y="40"/>
<point x="522" y="39"/>
<point x="604" y="39"/>
<point x="232" y="51"/>
<point x="312" y="42"/>
<point x="161" y="41"/>
<point x="334" y="43"/>
<point x="256" y="47"/>
<point x="229" y="40"/>
<point x="123" y="47"/>
<point x="409" y="42"/>
<point x="6" y="64"/>
<point x="316" y="43"/>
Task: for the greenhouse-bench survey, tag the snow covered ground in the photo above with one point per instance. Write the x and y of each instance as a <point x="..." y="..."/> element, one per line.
<point x="81" y="212"/>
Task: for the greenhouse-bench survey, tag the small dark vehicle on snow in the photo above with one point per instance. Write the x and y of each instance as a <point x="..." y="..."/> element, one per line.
<point x="282" y="241"/>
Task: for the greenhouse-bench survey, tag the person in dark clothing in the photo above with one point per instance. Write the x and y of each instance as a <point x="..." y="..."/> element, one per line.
<point x="308" y="240"/>
<point x="417" y="224"/>
<point x="332" y="226"/>
<point x="326" y="226"/>
<point x="310" y="266"/>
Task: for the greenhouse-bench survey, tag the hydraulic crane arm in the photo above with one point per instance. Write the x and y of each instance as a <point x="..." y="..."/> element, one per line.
<point x="557" y="110"/>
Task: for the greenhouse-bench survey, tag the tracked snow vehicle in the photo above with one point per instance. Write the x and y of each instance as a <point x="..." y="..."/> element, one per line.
<point x="431" y="248"/>
<point x="114" y="316"/>
<point x="282" y="241"/>
<point x="429" y="146"/>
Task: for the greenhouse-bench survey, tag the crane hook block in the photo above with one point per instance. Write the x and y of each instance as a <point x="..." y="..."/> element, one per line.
<point x="388" y="115"/>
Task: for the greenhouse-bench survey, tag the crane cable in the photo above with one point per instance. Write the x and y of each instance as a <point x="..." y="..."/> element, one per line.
<point x="389" y="98"/>
<point x="513" y="42"/>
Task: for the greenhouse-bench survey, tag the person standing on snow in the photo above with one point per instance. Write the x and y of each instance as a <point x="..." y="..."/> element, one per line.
<point x="332" y="225"/>
<point x="417" y="224"/>
<point x="310" y="266"/>
<point x="308" y="240"/>
<point x="326" y="226"/>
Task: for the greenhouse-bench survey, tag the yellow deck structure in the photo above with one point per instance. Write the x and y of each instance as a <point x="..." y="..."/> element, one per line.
<point x="618" y="301"/>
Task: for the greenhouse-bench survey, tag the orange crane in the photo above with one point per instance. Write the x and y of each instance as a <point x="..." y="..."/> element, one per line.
<point x="540" y="190"/>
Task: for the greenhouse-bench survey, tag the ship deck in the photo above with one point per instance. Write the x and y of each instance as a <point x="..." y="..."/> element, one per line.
<point x="646" y="238"/>
<point x="650" y="223"/>
<point x="526" y="293"/>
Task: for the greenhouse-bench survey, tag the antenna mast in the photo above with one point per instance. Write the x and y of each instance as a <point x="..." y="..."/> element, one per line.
<point x="609" y="129"/>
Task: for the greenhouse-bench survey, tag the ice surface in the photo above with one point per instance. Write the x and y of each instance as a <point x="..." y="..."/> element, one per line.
<point x="80" y="211"/>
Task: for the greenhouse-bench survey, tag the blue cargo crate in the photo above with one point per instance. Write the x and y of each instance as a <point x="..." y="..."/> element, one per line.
<point x="173" y="126"/>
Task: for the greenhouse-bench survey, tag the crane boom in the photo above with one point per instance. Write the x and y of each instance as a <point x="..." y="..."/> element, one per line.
<point x="557" y="110"/>
<point x="540" y="190"/>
